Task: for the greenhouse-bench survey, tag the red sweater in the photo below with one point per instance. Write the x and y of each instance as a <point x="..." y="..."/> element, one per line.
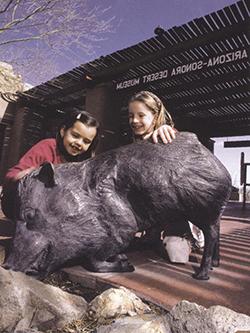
<point x="44" y="151"/>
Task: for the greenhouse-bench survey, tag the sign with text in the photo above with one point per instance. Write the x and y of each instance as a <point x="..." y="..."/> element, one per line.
<point x="183" y="69"/>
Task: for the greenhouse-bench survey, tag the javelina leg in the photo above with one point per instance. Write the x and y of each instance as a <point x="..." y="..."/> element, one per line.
<point x="216" y="252"/>
<point x="119" y="226"/>
<point x="210" y="254"/>
<point x="106" y="266"/>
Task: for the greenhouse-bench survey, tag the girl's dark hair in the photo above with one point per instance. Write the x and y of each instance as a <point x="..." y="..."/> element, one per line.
<point x="68" y="122"/>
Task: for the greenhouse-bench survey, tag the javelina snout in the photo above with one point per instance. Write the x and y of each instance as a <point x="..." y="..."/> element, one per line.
<point x="31" y="256"/>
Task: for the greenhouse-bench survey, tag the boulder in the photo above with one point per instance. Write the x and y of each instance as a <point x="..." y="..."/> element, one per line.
<point x="114" y="303"/>
<point x="2" y="254"/>
<point x="9" y="81"/>
<point x="26" y="303"/>
<point x="139" y="324"/>
<point x="188" y="317"/>
<point x="29" y="331"/>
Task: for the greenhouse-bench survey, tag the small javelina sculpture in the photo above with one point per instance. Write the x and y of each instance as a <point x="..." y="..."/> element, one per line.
<point x="93" y="209"/>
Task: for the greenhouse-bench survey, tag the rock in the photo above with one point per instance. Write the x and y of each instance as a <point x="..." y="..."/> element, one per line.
<point x="139" y="324"/>
<point x="9" y="81"/>
<point x="188" y="317"/>
<point x="26" y="303"/>
<point x="2" y="254"/>
<point x="29" y="331"/>
<point x="226" y="320"/>
<point x="116" y="302"/>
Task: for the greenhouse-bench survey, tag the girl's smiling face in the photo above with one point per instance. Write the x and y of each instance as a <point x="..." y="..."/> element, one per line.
<point x="78" y="138"/>
<point x="141" y="119"/>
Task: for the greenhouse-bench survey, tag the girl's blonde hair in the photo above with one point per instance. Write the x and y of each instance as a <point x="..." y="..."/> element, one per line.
<point x="155" y="105"/>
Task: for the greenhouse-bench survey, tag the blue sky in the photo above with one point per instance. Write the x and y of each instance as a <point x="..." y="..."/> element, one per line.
<point x="139" y="18"/>
<point x="135" y="21"/>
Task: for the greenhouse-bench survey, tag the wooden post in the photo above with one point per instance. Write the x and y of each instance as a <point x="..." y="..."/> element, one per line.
<point x="242" y="158"/>
<point x="244" y="185"/>
<point x="100" y="103"/>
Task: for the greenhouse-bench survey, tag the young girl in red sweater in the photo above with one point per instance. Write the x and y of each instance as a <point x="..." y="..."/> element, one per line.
<point x="76" y="141"/>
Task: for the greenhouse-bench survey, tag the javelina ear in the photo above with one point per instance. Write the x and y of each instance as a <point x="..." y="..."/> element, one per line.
<point x="46" y="174"/>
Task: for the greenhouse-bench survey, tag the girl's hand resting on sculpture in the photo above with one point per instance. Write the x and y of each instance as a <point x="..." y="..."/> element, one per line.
<point x="23" y="173"/>
<point x="165" y="132"/>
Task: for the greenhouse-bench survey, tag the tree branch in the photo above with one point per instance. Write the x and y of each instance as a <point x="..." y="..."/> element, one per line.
<point x="6" y="7"/>
<point x="26" y="39"/>
<point x="51" y="32"/>
<point x="35" y="12"/>
<point x="14" y="10"/>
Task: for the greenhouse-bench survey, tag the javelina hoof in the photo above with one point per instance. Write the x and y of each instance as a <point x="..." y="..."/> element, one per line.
<point x="122" y="260"/>
<point x="97" y="266"/>
<point x="215" y="263"/>
<point x="200" y="276"/>
<point x="127" y="267"/>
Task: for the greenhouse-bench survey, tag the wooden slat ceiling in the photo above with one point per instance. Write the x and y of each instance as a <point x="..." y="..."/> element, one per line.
<point x="217" y="94"/>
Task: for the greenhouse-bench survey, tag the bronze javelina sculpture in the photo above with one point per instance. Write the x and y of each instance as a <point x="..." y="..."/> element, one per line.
<point x="93" y="209"/>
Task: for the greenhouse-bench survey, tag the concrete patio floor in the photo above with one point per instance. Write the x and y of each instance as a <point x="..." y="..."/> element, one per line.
<point x="166" y="284"/>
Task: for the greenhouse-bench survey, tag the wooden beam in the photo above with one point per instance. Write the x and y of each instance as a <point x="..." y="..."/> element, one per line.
<point x="181" y="108"/>
<point x="213" y="36"/>
<point x="226" y="94"/>
<point x="196" y="82"/>
<point x="232" y="144"/>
